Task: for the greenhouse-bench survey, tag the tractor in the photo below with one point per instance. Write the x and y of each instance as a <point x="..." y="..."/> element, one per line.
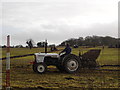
<point x="69" y="63"/>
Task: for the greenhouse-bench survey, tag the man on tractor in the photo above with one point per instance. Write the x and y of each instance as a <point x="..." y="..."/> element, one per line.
<point x="67" y="50"/>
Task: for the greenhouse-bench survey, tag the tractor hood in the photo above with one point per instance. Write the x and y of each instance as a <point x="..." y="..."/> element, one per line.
<point x="47" y="54"/>
<point x="40" y="56"/>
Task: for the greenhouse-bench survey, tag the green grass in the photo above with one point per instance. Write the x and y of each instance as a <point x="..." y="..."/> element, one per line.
<point x="21" y="51"/>
<point x="22" y="75"/>
<point x="109" y="56"/>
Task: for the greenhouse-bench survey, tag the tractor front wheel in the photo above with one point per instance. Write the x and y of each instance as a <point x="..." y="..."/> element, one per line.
<point x="40" y="68"/>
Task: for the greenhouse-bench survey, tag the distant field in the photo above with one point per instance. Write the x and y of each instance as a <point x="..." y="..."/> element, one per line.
<point x="107" y="56"/>
<point x="22" y="75"/>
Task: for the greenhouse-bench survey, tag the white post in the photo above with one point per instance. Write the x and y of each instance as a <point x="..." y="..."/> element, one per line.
<point x="8" y="64"/>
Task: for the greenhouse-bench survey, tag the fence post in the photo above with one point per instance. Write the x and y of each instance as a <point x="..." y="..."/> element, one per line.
<point x="8" y="64"/>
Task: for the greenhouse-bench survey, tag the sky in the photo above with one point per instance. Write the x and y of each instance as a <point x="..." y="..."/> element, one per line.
<point x="57" y="20"/>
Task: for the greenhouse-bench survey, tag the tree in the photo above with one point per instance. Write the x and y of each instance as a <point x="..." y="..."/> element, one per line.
<point x="4" y="46"/>
<point x="41" y="44"/>
<point x="93" y="41"/>
<point x="80" y="41"/>
<point x="18" y="46"/>
<point x="30" y="43"/>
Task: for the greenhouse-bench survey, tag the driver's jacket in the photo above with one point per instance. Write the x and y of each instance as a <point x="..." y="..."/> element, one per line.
<point x="67" y="50"/>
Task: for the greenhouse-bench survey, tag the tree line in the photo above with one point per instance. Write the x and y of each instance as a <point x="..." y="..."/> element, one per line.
<point x="93" y="41"/>
<point x="87" y="41"/>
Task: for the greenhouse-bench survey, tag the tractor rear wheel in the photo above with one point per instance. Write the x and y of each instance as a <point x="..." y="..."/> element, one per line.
<point x="71" y="63"/>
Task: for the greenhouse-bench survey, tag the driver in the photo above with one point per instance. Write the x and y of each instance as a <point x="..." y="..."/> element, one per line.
<point x="67" y="50"/>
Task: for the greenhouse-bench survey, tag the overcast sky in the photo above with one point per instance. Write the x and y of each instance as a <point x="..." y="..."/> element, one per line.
<point x="57" y="20"/>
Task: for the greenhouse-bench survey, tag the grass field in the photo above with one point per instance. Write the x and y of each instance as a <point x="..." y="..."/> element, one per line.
<point x="22" y="75"/>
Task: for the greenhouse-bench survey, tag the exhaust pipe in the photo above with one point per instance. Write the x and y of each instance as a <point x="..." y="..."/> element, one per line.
<point x="46" y="46"/>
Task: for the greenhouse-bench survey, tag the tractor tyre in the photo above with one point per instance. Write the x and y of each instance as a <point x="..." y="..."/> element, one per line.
<point x="71" y="63"/>
<point x="40" y="68"/>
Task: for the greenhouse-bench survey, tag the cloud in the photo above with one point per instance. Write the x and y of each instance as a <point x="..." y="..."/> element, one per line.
<point x="64" y="32"/>
<point x="58" y="20"/>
